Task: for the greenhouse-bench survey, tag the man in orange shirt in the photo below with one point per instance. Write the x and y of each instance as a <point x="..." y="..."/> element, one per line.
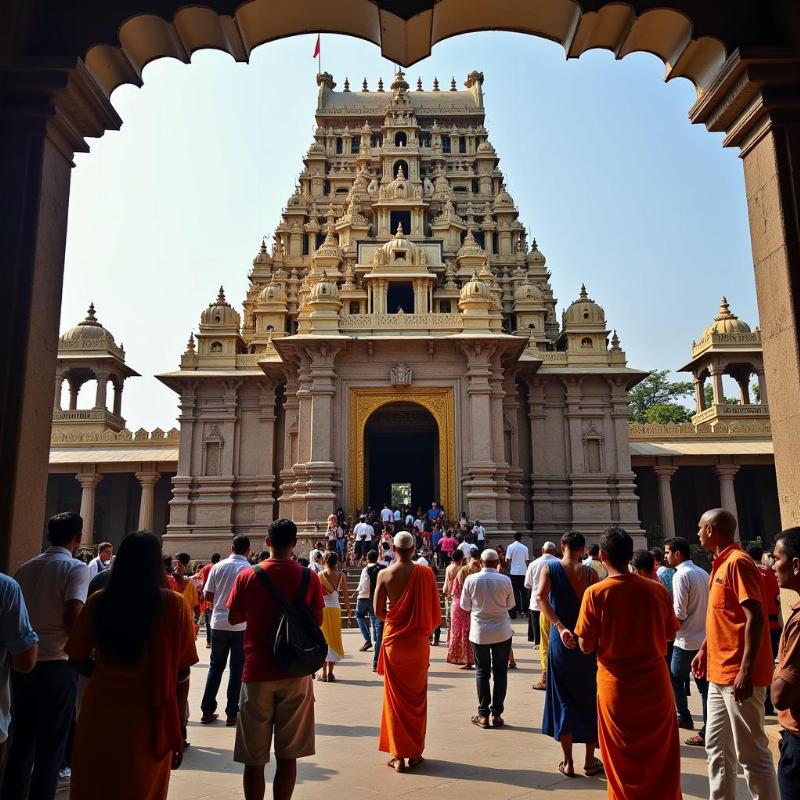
<point x="786" y="681"/>
<point x="628" y="620"/>
<point x="736" y="658"/>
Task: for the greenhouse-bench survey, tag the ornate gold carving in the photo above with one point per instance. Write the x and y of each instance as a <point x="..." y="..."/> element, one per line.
<point x="438" y="401"/>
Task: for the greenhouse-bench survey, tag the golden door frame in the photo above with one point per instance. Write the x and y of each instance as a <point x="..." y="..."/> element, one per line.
<point x="363" y="402"/>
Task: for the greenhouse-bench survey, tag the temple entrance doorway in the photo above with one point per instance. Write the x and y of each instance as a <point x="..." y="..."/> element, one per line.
<point x="401" y="447"/>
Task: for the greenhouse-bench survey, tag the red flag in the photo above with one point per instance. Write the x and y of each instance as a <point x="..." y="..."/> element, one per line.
<point x="316" y="48"/>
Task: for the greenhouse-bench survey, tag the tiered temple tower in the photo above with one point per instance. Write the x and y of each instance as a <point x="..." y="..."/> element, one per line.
<point x="401" y="330"/>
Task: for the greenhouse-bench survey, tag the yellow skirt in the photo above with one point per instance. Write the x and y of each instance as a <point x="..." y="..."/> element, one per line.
<point x="332" y="630"/>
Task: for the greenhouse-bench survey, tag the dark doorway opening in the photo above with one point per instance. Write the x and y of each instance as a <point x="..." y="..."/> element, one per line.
<point x="400" y="218"/>
<point x="400" y="296"/>
<point x="402" y="446"/>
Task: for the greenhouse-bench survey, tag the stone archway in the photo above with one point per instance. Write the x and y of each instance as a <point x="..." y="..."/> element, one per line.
<point x="401" y="446"/>
<point x="61" y="64"/>
<point x="438" y="402"/>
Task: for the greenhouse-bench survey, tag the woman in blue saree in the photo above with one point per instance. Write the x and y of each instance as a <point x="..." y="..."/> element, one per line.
<point x="570" y="705"/>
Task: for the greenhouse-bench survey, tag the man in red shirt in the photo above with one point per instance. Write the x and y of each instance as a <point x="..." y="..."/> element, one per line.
<point x="205" y="608"/>
<point x="270" y="699"/>
<point x="772" y="601"/>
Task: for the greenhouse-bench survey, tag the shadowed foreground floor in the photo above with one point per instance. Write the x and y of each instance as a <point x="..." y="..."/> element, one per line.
<point x="462" y="761"/>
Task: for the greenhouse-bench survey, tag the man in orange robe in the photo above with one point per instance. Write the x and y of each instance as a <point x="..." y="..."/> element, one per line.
<point x="407" y="599"/>
<point x="628" y="620"/>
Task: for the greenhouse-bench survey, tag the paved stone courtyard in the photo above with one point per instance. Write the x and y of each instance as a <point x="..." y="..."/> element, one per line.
<point x="462" y="761"/>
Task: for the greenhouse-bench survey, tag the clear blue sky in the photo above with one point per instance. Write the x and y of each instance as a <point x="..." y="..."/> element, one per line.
<point x="619" y="189"/>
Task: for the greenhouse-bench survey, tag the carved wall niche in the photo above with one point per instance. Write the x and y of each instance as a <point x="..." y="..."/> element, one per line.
<point x="593" y="450"/>
<point x="212" y="451"/>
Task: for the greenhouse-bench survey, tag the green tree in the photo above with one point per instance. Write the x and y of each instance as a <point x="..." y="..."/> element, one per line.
<point x="663" y="413"/>
<point x="655" y="389"/>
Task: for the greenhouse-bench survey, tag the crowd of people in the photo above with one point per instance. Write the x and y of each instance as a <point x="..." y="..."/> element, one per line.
<point x="620" y="634"/>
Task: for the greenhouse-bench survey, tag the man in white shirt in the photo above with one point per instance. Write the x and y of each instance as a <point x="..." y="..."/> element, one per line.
<point x="387" y="515"/>
<point x="102" y="560"/>
<point x="479" y="532"/>
<point x="363" y="532"/>
<point x="226" y="639"/>
<point x="517" y="557"/>
<point x="54" y="585"/>
<point x="315" y="561"/>
<point x="690" y="602"/>
<point x="549" y="551"/>
<point x="465" y="547"/>
<point x="488" y="595"/>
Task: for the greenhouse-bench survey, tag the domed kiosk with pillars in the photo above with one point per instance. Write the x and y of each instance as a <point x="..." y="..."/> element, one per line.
<point x="401" y="303"/>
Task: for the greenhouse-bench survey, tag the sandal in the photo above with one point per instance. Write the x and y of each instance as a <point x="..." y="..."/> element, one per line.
<point x="562" y="768"/>
<point x="695" y="741"/>
<point x="323" y="678"/>
<point x="466" y="666"/>
<point x="498" y="722"/>
<point x="596" y="769"/>
<point x="512" y="665"/>
<point x="331" y="678"/>
<point x="415" y="762"/>
<point x="541" y="686"/>
<point x="481" y="722"/>
<point x="397" y="764"/>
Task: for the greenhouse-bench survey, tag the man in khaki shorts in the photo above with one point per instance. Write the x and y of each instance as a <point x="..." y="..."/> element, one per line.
<point x="270" y="699"/>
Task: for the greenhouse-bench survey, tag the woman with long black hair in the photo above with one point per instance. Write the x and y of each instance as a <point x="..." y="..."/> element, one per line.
<point x="134" y="640"/>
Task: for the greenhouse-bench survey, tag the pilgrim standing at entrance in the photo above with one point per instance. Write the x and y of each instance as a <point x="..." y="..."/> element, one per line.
<point x="407" y="599"/>
<point x="628" y="621"/>
<point x="570" y="707"/>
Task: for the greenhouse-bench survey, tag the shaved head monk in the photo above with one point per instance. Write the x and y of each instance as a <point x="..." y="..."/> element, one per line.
<point x="736" y="659"/>
<point x="627" y="620"/>
<point x="407" y="600"/>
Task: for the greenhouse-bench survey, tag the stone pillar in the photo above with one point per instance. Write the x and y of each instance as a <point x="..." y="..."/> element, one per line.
<point x="88" y="482"/>
<point x="480" y="494"/>
<point x="57" y="394"/>
<point x="744" y="390"/>
<point x="664" y="474"/>
<point x="118" y="398"/>
<point x="727" y="493"/>
<point x="498" y="448"/>
<point x="74" y="389"/>
<point x="148" y="481"/>
<point x="755" y="102"/>
<point x="762" y="387"/>
<point x="46" y="114"/>
<point x="102" y="391"/>
<point x="717" y="391"/>
<point x="699" y="395"/>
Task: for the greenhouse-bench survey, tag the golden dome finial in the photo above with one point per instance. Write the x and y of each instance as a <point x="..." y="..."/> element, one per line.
<point x="583" y="295"/>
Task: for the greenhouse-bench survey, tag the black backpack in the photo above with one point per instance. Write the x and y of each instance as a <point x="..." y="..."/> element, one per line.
<point x="300" y="647"/>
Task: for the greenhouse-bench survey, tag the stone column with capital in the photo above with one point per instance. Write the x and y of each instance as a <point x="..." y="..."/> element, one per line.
<point x="148" y="481"/>
<point x="57" y="394"/>
<point x="118" y="386"/>
<point x="74" y="389"/>
<point x="100" y="401"/>
<point x="699" y="396"/>
<point x="755" y="101"/>
<point x="479" y="488"/>
<point x="664" y="474"/>
<point x="717" y="391"/>
<point x="727" y="492"/>
<point x="46" y="115"/>
<point x="762" y="387"/>
<point x="88" y="482"/>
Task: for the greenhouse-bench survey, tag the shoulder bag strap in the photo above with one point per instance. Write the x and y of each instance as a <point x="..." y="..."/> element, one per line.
<point x="304" y="581"/>
<point x="269" y="585"/>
